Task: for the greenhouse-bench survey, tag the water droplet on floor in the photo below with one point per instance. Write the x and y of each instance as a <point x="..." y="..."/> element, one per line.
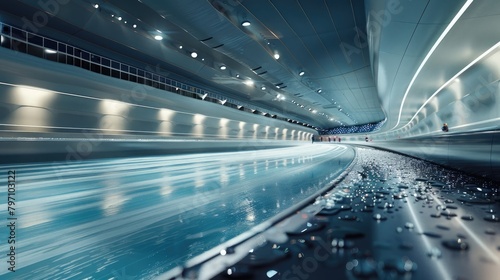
<point x="474" y="200"/>
<point x="434" y="253"/>
<point x="456" y="244"/>
<point x="401" y="266"/>
<point x="436" y="184"/>
<point x="348" y="218"/>
<point x="467" y="218"/>
<point x="379" y="217"/>
<point x="492" y="218"/>
<point x="308" y="228"/>
<point x="265" y="255"/>
<point x="448" y="214"/>
<point x="365" y="267"/>
<point x="409" y="225"/>
<point x="432" y="234"/>
<point x="238" y="271"/>
<point x="490" y="231"/>
<point x="406" y="246"/>
<point x="443" y="227"/>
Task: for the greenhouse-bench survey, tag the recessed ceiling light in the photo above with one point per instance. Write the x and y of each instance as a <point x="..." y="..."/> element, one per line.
<point x="194" y="55"/>
<point x="237" y="75"/>
<point x="276" y="56"/>
<point x="245" y="23"/>
<point x="319" y="90"/>
<point x="134" y="26"/>
<point x="180" y="47"/>
<point x="119" y="18"/>
<point x="223" y="67"/>
<point x="96" y="6"/>
<point x="248" y="82"/>
<point x="263" y="88"/>
<point x="301" y="73"/>
<point x="158" y="38"/>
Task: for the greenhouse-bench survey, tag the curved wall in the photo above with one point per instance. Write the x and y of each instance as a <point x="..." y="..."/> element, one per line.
<point x="470" y="105"/>
<point x="38" y="97"/>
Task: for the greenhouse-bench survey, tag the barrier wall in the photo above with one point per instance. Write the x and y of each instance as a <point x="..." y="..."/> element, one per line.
<point x="39" y="98"/>
<point x="474" y="153"/>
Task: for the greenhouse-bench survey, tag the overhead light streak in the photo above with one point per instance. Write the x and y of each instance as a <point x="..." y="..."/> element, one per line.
<point x="431" y="51"/>
<point x="454" y="79"/>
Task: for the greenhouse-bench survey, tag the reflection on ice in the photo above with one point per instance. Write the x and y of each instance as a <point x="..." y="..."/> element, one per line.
<point x="138" y="217"/>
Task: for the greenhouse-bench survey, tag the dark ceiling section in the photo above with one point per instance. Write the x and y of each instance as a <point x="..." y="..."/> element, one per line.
<point x="325" y="39"/>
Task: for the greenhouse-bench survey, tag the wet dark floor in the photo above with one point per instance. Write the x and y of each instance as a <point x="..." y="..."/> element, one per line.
<point x="392" y="217"/>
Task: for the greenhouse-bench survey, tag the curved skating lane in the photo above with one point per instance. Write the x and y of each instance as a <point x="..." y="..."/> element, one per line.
<point x="134" y="218"/>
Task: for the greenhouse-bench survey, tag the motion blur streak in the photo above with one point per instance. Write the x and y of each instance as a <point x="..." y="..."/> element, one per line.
<point x="138" y="217"/>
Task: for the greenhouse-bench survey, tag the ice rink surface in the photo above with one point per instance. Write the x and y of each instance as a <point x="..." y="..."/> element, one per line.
<point x="134" y="218"/>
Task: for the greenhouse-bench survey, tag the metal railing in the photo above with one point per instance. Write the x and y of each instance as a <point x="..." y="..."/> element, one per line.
<point x="33" y="44"/>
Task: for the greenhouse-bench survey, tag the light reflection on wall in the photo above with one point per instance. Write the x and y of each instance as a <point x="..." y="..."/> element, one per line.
<point x="285" y="131"/>
<point x="276" y="131"/>
<point x="241" y="132"/>
<point x="165" y="114"/>
<point x="199" y="122"/>
<point x="255" y="131"/>
<point x="31" y="116"/>
<point x="165" y="127"/>
<point x="456" y="89"/>
<point x="113" y="107"/>
<point x="113" y="112"/>
<point x="33" y="97"/>
<point x="223" y="128"/>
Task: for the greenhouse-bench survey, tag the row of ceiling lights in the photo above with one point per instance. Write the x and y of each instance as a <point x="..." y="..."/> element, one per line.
<point x="194" y="54"/>
<point x="248" y="82"/>
<point x="301" y="73"/>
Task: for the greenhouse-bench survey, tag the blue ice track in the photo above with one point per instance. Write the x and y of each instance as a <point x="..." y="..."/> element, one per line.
<point x="135" y="218"/>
